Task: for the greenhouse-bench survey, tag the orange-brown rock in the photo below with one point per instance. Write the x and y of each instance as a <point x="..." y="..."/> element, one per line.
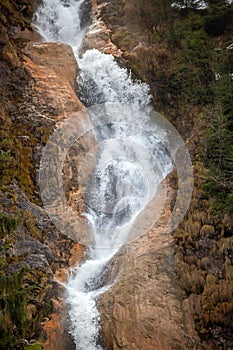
<point x="52" y="99"/>
<point x="31" y="34"/>
<point x="76" y="257"/>
<point x="54" y="69"/>
<point x="98" y="35"/>
<point x="145" y="310"/>
<point x="57" y="334"/>
<point x="56" y="326"/>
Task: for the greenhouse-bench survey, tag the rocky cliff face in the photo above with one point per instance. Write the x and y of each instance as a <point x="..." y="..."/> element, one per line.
<point x="54" y="70"/>
<point x="38" y="84"/>
<point x="98" y="36"/>
<point x="145" y="309"/>
<point x="162" y="284"/>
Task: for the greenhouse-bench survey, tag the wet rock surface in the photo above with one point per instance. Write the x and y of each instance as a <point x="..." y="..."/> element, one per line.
<point x="54" y="71"/>
<point x="98" y="36"/>
<point x="145" y="307"/>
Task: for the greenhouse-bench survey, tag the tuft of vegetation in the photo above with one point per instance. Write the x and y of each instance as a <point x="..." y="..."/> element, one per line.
<point x="7" y="224"/>
<point x="35" y="346"/>
<point x="13" y="298"/>
<point x="218" y="136"/>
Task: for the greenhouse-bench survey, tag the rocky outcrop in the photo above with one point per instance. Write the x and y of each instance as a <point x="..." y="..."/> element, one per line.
<point x="54" y="71"/>
<point x="144" y="310"/>
<point x="98" y="36"/>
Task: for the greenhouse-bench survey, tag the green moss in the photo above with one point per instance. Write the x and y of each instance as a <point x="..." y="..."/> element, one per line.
<point x="7" y="224"/>
<point x="36" y="346"/>
<point x="20" y="293"/>
<point x="12" y="310"/>
<point x="29" y="223"/>
<point x="19" y="163"/>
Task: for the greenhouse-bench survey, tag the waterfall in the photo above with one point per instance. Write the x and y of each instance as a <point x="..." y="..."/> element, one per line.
<point x="131" y="162"/>
<point x="59" y="21"/>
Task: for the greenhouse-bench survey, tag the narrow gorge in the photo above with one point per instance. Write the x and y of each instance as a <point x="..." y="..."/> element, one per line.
<point x="95" y="184"/>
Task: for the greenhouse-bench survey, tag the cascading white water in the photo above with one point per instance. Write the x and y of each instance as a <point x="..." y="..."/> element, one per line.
<point x="130" y="165"/>
<point x="59" y="21"/>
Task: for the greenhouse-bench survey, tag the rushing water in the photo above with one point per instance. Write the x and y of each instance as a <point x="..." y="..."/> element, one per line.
<point x="130" y="165"/>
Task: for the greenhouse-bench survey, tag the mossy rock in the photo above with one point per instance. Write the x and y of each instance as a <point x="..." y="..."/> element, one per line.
<point x="36" y="346"/>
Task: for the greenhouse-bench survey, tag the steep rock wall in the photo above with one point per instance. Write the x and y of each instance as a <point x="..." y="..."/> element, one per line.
<point x="38" y="83"/>
<point x="145" y="309"/>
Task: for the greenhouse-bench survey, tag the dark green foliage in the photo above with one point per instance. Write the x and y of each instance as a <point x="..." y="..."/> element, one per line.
<point x="216" y="24"/>
<point x="12" y="310"/>
<point x="219" y="136"/>
<point x="219" y="18"/>
<point x="36" y="346"/>
<point x="202" y="76"/>
<point x="219" y="157"/>
<point x="4" y="155"/>
<point x="192" y="75"/>
<point x="7" y="224"/>
<point x="195" y="66"/>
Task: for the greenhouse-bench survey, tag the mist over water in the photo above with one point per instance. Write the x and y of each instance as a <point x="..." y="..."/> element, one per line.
<point x="130" y="165"/>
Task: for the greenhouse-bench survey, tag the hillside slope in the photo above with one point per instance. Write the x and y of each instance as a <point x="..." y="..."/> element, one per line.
<point x="186" y="55"/>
